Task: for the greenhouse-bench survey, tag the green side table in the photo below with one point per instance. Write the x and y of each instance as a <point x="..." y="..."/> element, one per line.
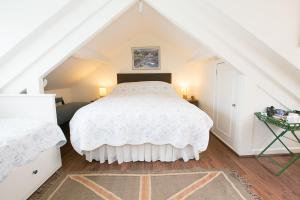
<point x="287" y="127"/>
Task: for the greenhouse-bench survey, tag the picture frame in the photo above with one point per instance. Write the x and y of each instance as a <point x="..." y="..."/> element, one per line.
<point x="145" y="58"/>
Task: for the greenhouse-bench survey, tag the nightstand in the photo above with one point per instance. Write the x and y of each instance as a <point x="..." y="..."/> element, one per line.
<point x="194" y="102"/>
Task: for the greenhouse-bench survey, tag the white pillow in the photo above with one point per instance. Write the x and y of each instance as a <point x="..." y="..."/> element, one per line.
<point x="144" y="87"/>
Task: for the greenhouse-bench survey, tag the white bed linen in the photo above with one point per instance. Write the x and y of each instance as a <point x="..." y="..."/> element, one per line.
<point x="21" y="141"/>
<point x="139" y="113"/>
<point x="142" y="152"/>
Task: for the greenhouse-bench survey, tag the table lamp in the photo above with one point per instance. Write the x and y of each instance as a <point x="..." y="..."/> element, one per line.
<point x="184" y="92"/>
<point x="102" y="91"/>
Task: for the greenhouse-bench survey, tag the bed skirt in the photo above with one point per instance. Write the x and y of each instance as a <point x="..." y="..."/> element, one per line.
<point x="144" y="152"/>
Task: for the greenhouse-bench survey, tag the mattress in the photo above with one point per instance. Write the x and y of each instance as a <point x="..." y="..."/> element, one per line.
<point x="140" y="113"/>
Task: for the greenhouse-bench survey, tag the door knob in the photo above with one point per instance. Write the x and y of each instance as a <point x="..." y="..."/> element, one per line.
<point x="233" y="105"/>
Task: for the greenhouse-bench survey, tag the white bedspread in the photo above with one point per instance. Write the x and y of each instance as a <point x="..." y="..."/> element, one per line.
<point x="139" y="113"/>
<point x="21" y="140"/>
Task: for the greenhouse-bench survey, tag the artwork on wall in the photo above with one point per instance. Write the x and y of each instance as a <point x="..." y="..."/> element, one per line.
<point x="145" y="58"/>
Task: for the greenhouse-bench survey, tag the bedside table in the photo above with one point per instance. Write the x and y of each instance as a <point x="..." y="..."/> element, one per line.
<point x="193" y="101"/>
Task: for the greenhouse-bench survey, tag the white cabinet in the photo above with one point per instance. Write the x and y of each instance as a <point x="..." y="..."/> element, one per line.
<point x="226" y="103"/>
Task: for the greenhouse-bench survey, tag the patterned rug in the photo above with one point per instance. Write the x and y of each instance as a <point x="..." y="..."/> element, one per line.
<point x="171" y="185"/>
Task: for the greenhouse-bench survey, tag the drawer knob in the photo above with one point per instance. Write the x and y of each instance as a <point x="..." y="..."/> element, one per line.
<point x="35" y="171"/>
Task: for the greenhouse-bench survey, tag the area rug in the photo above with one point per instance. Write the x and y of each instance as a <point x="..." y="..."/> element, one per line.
<point x="171" y="185"/>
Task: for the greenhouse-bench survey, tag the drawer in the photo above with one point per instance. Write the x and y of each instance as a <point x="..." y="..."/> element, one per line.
<point x="29" y="177"/>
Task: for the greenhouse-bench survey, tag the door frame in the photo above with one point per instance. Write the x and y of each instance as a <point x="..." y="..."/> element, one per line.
<point x="234" y="125"/>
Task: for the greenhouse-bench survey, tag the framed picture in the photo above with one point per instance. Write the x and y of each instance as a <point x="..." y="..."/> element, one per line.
<point x="145" y="58"/>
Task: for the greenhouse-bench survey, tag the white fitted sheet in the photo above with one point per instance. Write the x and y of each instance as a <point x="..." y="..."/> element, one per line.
<point x="144" y="152"/>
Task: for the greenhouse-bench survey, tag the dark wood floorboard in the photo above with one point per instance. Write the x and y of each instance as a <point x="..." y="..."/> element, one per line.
<point x="217" y="156"/>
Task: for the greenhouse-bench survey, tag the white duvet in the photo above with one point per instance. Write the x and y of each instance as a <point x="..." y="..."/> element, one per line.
<point x="139" y="113"/>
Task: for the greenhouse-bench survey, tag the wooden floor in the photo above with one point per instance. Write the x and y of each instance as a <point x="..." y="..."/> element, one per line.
<point x="217" y="156"/>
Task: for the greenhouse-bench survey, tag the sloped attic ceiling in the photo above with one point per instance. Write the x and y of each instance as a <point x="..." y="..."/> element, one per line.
<point x="106" y="44"/>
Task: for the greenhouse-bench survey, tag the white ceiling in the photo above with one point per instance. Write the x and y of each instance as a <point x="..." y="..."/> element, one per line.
<point x="108" y="43"/>
<point x="133" y="23"/>
<point x="70" y="72"/>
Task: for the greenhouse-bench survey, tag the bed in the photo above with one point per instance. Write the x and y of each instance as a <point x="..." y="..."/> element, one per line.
<point x="65" y="112"/>
<point x="143" y="119"/>
<point x="23" y="139"/>
<point x="29" y="143"/>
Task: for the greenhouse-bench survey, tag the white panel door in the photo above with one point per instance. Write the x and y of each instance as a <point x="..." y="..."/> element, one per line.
<point x="225" y="102"/>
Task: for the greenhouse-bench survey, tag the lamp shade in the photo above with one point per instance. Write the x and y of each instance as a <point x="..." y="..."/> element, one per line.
<point x="184" y="92"/>
<point x="102" y="91"/>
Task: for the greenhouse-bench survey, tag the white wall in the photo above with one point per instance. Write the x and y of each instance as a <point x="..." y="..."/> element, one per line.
<point x="19" y="18"/>
<point x="277" y="22"/>
<point x="261" y="136"/>
<point x="70" y="72"/>
<point x="184" y="72"/>
<point x="252" y="134"/>
<point x="66" y="93"/>
<point x="207" y="77"/>
<point x="173" y="60"/>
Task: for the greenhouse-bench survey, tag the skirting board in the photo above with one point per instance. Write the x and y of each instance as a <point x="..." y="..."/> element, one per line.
<point x="277" y="150"/>
<point x="270" y="151"/>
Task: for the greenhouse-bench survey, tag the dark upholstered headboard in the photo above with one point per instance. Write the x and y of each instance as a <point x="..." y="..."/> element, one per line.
<point x="136" y="77"/>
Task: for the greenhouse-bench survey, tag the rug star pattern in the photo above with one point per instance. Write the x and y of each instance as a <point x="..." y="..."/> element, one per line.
<point x="167" y="186"/>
